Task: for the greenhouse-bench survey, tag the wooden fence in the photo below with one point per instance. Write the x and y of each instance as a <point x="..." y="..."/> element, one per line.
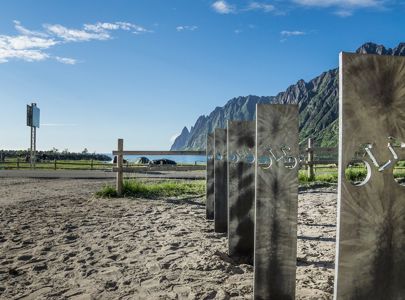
<point x="56" y="165"/>
<point x="318" y="156"/>
<point x="120" y="169"/>
<point x="310" y="157"/>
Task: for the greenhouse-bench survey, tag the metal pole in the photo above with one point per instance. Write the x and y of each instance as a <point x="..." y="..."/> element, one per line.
<point x="35" y="146"/>
<point x="119" y="182"/>
<point x="32" y="148"/>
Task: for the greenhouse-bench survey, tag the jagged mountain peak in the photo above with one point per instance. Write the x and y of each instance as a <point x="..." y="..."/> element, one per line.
<point x="317" y="100"/>
<point x="373" y="48"/>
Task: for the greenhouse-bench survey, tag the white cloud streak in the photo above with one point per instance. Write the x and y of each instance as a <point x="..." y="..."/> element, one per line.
<point x="186" y="28"/>
<point x="76" y="35"/>
<point x="24" y="31"/>
<point x="340" y="3"/>
<point x="344" y="8"/>
<point x="28" y="48"/>
<point x="32" y="45"/>
<point x="223" y="7"/>
<point x="265" y="7"/>
<point x="287" y="33"/>
<point x="66" y="60"/>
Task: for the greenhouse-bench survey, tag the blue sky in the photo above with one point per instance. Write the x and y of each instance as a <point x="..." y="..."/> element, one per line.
<point x="142" y="69"/>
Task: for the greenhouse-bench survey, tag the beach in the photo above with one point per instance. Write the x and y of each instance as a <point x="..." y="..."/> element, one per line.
<point x="59" y="241"/>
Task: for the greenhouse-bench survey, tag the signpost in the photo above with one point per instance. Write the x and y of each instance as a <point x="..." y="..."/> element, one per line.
<point x="33" y="114"/>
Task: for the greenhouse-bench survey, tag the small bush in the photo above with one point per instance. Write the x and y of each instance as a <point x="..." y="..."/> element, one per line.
<point x="107" y="192"/>
<point x="303" y="176"/>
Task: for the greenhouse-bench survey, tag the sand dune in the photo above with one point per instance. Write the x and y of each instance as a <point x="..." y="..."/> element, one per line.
<point x="57" y="241"/>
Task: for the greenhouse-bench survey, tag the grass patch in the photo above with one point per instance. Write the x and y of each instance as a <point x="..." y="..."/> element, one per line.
<point x="356" y="174"/>
<point x="329" y="177"/>
<point x="156" y="189"/>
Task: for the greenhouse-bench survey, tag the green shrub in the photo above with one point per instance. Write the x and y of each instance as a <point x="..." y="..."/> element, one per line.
<point x="356" y="174"/>
<point x="107" y="192"/>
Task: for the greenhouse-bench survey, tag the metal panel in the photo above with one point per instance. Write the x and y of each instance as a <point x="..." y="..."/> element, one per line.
<point x="35" y="116"/>
<point x="221" y="182"/>
<point x="276" y="210"/>
<point x="29" y="115"/>
<point x="371" y="217"/>
<point x="210" y="177"/>
<point x="241" y="188"/>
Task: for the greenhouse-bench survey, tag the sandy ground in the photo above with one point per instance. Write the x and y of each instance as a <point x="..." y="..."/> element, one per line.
<point x="57" y="241"/>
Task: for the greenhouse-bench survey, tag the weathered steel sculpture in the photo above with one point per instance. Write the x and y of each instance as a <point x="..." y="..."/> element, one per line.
<point x="210" y="177"/>
<point x="220" y="181"/>
<point x="241" y="188"/>
<point x="371" y="216"/>
<point x="275" y="255"/>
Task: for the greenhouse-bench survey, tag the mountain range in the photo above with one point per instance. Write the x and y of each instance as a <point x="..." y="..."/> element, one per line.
<point x="317" y="100"/>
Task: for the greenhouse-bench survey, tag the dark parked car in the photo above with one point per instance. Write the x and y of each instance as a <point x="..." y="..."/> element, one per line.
<point x="142" y="160"/>
<point x="162" y="161"/>
<point x="115" y="160"/>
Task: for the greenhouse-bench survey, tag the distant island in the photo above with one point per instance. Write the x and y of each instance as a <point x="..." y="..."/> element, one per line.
<point x="317" y="100"/>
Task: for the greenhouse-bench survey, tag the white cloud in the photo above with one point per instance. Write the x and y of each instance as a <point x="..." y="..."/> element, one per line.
<point x="27" y="55"/>
<point x="31" y="45"/>
<point x="28" y="48"/>
<point x="344" y="13"/>
<point x="287" y="33"/>
<point x="222" y="7"/>
<point x="186" y="28"/>
<point x="341" y="3"/>
<point x="261" y="6"/>
<point x="25" y="42"/>
<point x="24" y="31"/>
<point x="66" y="60"/>
<point x="103" y="27"/>
<point x="75" y="35"/>
<point x="345" y="8"/>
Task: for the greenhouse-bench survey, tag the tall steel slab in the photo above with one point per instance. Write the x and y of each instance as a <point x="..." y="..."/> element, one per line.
<point x="276" y="205"/>
<point x="241" y="188"/>
<point x="371" y="217"/>
<point x="209" y="204"/>
<point x="220" y="181"/>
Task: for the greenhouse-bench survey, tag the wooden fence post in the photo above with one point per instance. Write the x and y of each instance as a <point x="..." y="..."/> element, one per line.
<point x="311" y="171"/>
<point x="91" y="165"/>
<point x="119" y="182"/>
<point x="18" y="163"/>
<point x="54" y="164"/>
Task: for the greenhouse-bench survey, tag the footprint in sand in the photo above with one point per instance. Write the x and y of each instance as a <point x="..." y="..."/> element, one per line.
<point x="25" y="257"/>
